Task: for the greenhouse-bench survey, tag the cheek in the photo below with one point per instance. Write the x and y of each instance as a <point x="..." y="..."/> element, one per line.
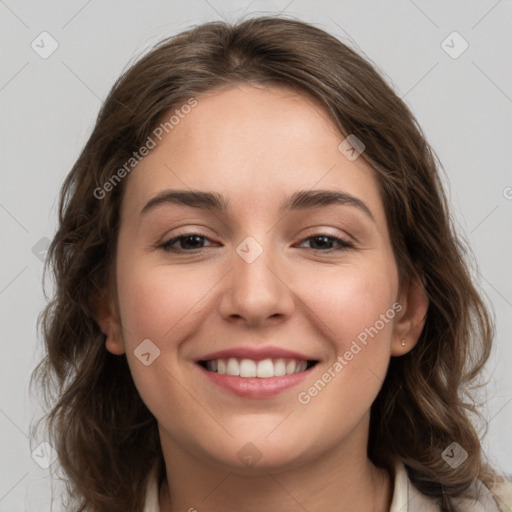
<point x="355" y="310"/>
<point x="162" y="305"/>
<point x="166" y="306"/>
<point x="348" y="301"/>
<point x="158" y="302"/>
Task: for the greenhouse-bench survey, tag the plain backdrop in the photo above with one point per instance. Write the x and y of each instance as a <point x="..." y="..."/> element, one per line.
<point x="461" y="96"/>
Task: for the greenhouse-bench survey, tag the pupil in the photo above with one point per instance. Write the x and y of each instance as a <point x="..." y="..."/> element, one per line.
<point x="191" y="238"/>
<point x="323" y="240"/>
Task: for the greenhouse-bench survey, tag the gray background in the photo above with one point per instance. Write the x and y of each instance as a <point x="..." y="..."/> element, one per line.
<point x="48" y="107"/>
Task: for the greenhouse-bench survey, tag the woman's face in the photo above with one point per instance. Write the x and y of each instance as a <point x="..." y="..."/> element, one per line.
<point x="264" y="283"/>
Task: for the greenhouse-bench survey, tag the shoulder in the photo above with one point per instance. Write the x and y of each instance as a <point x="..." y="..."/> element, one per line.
<point x="407" y="498"/>
<point x="502" y="491"/>
<point x="480" y="498"/>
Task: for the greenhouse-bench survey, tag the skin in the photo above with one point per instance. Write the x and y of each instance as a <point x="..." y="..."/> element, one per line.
<point x="257" y="145"/>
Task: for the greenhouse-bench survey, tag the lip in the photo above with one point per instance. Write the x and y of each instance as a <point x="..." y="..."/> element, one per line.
<point x="256" y="354"/>
<point x="255" y="387"/>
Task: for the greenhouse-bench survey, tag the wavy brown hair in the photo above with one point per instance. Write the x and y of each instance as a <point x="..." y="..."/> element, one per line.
<point x="106" y="438"/>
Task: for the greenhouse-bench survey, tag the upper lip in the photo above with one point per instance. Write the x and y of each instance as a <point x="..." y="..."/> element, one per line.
<point x="256" y="354"/>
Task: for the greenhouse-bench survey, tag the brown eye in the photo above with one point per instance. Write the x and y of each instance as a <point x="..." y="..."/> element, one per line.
<point x="185" y="243"/>
<point x="325" y="243"/>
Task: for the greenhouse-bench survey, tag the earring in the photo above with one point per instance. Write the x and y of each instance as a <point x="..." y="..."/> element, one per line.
<point x="403" y="342"/>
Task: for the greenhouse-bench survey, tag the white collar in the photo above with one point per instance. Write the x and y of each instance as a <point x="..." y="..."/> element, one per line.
<point x="406" y="497"/>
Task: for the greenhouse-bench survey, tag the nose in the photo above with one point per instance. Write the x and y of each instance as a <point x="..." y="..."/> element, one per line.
<point x="257" y="293"/>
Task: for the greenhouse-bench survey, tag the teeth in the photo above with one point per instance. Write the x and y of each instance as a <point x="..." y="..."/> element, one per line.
<point x="290" y="367"/>
<point x="264" y="369"/>
<point x="246" y="367"/>
<point x="279" y="368"/>
<point x="233" y="368"/>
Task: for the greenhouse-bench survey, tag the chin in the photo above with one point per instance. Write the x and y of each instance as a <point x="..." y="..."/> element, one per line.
<point x="257" y="455"/>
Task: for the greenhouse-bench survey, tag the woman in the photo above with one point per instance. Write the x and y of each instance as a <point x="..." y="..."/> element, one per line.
<point x="260" y="301"/>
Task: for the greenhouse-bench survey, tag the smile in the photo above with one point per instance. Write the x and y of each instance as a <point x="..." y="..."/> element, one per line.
<point x="263" y="369"/>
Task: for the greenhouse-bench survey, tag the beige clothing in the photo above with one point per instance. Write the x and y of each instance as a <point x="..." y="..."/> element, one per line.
<point x="406" y="498"/>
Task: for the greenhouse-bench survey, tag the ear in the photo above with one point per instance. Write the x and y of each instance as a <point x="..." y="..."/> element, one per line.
<point x="108" y="319"/>
<point x="410" y="319"/>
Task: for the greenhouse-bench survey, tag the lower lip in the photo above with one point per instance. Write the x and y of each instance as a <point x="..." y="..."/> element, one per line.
<point x="255" y="387"/>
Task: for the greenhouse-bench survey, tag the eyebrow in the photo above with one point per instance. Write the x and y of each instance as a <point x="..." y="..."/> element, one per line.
<point x="300" y="200"/>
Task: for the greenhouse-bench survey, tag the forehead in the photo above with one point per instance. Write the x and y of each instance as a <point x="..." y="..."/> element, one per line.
<point x="251" y="123"/>
<point x="253" y="144"/>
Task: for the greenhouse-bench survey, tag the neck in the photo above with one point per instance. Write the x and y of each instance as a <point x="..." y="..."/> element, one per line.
<point x="342" y="477"/>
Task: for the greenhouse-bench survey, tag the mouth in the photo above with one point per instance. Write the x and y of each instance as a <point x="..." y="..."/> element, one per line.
<point x="261" y="369"/>
<point x="255" y="374"/>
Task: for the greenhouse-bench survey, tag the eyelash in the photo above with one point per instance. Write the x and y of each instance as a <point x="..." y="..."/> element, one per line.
<point x="343" y="245"/>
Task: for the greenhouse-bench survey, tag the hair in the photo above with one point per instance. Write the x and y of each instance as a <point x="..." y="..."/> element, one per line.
<point x="105" y="436"/>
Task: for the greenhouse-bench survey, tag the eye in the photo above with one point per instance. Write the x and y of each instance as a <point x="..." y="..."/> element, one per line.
<point x="324" y="243"/>
<point x="189" y="242"/>
<point x="193" y="242"/>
